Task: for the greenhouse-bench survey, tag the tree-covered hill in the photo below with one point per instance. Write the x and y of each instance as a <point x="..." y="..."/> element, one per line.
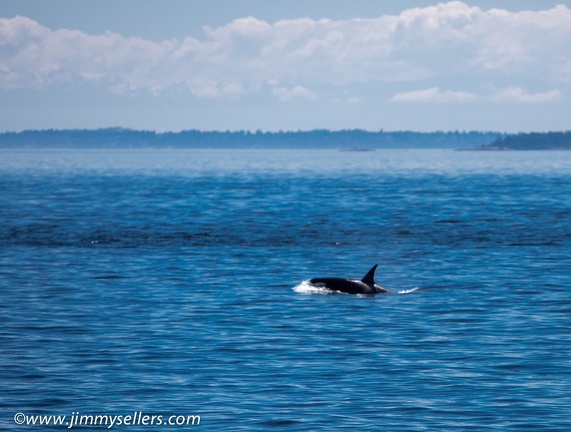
<point x="344" y="139"/>
<point x="531" y="141"/>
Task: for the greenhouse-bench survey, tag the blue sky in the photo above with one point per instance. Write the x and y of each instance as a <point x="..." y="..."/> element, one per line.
<point x="292" y="65"/>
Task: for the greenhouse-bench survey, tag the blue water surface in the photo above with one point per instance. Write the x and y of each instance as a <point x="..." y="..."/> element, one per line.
<point x="167" y="282"/>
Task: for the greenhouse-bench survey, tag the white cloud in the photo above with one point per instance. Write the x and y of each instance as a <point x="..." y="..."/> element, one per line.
<point x="351" y="100"/>
<point x="451" y="42"/>
<point x="433" y="94"/>
<point x="515" y="94"/>
<point x="511" y="94"/>
<point x="285" y="94"/>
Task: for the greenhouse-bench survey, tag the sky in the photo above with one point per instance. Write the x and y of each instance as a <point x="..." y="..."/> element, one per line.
<point x="171" y="65"/>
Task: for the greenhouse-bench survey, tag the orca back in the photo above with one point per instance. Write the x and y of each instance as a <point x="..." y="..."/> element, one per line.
<point x="366" y="285"/>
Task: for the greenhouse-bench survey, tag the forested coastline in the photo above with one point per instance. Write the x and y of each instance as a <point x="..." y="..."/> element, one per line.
<point x="343" y="139"/>
<point x="531" y="141"/>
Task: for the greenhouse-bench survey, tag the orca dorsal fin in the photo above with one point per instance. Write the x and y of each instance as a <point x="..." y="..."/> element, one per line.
<point x="369" y="278"/>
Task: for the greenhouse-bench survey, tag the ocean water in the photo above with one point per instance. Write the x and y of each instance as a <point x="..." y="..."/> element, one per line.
<point x="171" y="283"/>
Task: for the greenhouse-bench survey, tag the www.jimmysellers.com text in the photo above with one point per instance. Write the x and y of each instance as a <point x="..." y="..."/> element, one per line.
<point x="136" y="419"/>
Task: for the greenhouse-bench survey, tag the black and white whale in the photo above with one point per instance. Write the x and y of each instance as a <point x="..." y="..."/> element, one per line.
<point x="366" y="285"/>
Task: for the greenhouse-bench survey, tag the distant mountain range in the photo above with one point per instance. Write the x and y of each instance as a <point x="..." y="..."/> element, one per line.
<point x="345" y="139"/>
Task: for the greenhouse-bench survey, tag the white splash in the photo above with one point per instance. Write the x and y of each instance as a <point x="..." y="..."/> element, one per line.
<point x="410" y="290"/>
<point x="306" y="288"/>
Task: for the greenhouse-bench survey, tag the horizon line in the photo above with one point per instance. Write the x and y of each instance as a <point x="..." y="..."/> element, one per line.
<point x="280" y="131"/>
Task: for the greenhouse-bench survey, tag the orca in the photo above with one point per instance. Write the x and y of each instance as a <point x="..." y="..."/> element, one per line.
<point x="366" y="285"/>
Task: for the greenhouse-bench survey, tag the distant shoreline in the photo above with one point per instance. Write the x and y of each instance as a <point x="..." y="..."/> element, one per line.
<point x="552" y="141"/>
<point x="508" y="149"/>
<point x="315" y="139"/>
<point x="345" y="140"/>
